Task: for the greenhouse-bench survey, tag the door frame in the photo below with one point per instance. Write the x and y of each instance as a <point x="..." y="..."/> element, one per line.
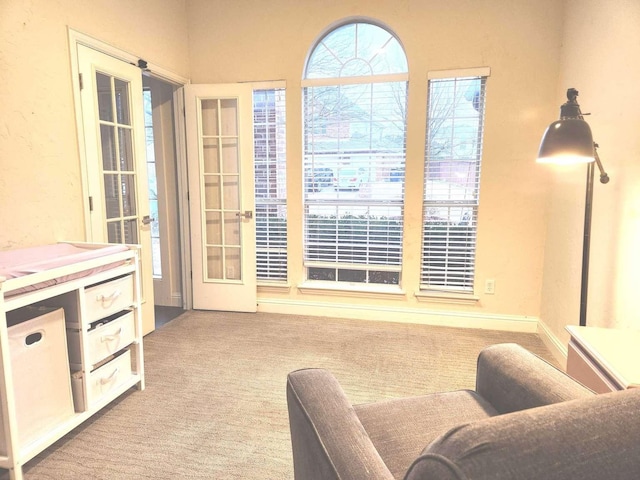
<point x="78" y="38"/>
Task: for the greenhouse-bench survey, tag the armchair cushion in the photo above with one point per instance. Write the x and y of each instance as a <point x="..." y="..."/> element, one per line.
<point x="399" y="429"/>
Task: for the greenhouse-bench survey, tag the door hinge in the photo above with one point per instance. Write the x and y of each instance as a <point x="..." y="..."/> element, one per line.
<point x="91" y="204"/>
<point x="80" y="81"/>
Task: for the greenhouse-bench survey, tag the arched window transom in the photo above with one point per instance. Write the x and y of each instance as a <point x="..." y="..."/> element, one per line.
<point x="355" y="50"/>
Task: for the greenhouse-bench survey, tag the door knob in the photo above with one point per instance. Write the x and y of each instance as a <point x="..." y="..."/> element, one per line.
<point x="146" y="220"/>
<point x="248" y="214"/>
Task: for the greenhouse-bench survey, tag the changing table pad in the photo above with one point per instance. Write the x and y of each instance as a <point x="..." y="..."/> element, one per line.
<point x="25" y="261"/>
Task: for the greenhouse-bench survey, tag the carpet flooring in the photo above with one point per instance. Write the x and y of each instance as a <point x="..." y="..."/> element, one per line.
<point x="215" y="406"/>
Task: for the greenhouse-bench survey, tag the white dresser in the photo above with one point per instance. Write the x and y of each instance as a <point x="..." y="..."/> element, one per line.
<point x="102" y="341"/>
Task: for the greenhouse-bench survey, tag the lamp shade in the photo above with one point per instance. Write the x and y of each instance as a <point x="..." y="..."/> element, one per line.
<point x="567" y="141"/>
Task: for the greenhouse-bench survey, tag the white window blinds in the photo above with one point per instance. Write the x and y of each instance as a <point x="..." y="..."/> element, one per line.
<point x="455" y="119"/>
<point x="270" y="184"/>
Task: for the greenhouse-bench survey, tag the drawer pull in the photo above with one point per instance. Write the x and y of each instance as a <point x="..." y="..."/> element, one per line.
<point x="110" y="378"/>
<point x="113" y="336"/>
<point x="108" y="299"/>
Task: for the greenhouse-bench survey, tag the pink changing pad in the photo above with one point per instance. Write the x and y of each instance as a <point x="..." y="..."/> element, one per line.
<point x="25" y="261"/>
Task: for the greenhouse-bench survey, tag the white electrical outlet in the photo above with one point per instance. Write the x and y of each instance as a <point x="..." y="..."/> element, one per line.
<point x="490" y="286"/>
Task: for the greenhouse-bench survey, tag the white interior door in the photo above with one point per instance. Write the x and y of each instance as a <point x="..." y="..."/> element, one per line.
<point x="219" y="121"/>
<point x="114" y="142"/>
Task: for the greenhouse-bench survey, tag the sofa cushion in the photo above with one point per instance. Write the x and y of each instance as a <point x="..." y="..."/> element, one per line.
<point x="400" y="428"/>
<point x="588" y="439"/>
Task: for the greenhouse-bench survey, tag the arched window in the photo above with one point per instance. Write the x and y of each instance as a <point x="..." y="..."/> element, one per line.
<point x="355" y="97"/>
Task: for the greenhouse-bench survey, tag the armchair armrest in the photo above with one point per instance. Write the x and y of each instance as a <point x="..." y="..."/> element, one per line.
<point x="328" y="440"/>
<point x="511" y="378"/>
<point x="592" y="438"/>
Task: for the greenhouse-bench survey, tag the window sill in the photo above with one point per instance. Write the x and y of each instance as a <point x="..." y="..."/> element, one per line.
<point x="446" y="297"/>
<point x="278" y="287"/>
<point x="351" y="289"/>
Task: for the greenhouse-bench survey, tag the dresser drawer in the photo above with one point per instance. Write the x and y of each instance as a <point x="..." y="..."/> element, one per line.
<point x="108" y="298"/>
<point x="116" y="333"/>
<point x="101" y="381"/>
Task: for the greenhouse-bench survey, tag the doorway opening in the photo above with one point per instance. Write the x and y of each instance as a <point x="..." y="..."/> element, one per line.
<point x="164" y="188"/>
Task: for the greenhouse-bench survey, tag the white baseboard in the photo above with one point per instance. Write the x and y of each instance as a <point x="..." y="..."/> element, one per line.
<point x="176" y="299"/>
<point x="555" y="346"/>
<point x="442" y="318"/>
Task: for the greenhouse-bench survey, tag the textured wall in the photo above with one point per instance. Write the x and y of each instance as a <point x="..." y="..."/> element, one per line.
<point x="600" y="46"/>
<point x="40" y="184"/>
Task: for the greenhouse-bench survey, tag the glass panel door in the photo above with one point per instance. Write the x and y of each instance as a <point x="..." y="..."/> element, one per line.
<point x="115" y="166"/>
<point x="220" y="160"/>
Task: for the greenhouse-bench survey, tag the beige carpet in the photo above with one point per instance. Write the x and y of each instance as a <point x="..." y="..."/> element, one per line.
<point x="215" y="407"/>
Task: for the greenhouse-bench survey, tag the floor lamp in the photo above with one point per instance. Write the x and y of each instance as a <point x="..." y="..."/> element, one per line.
<point x="568" y="141"/>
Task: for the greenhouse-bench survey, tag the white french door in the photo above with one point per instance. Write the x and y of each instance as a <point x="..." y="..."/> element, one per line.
<point x="219" y="124"/>
<point x="116" y="177"/>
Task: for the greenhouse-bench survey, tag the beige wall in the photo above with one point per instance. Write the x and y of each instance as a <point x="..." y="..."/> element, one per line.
<point x="40" y="181"/>
<point x="519" y="40"/>
<point x="601" y="45"/>
<point x="209" y="41"/>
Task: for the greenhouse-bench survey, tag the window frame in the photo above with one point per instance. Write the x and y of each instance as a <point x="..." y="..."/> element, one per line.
<point x="452" y="292"/>
<point x="338" y="265"/>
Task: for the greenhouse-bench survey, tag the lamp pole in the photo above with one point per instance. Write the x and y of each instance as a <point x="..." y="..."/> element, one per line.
<point x="586" y="240"/>
<point x="586" y="246"/>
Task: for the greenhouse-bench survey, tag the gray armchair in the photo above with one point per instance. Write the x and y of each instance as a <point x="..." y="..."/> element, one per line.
<point x="526" y="420"/>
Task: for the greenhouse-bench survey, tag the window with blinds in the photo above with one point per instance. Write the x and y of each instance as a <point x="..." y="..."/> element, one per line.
<point x="354" y="102"/>
<point x="453" y="154"/>
<point x="270" y="184"/>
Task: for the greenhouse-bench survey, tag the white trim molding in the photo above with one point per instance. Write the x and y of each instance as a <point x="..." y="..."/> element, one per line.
<point x="443" y="318"/>
<point x="322" y="82"/>
<point x="460" y="72"/>
<point x="79" y="38"/>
